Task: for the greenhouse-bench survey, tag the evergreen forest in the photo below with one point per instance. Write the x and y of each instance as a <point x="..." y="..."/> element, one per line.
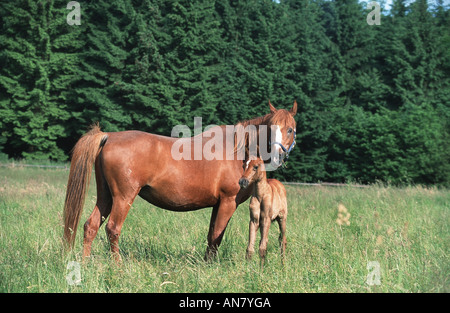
<point x="374" y="100"/>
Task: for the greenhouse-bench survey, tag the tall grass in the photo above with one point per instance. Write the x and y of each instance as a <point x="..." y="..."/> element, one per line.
<point x="405" y="230"/>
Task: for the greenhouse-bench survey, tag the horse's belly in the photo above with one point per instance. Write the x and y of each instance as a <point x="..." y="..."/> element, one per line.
<point x="170" y="200"/>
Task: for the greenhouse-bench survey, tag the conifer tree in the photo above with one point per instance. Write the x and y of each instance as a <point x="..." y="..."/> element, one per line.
<point x="374" y="100"/>
<point x="37" y="61"/>
<point x="99" y="94"/>
<point x="192" y="57"/>
<point x="149" y="95"/>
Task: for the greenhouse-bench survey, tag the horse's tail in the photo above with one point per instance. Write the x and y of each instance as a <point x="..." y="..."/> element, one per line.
<point x="83" y="157"/>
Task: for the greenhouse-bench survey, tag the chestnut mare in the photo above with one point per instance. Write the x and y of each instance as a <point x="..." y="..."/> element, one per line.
<point x="131" y="163"/>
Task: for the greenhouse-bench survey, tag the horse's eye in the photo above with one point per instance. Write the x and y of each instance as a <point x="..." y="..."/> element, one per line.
<point x="289" y="131"/>
<point x="255" y="167"/>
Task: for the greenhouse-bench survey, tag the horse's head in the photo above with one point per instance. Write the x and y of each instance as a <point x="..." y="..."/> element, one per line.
<point x="282" y="122"/>
<point x="254" y="171"/>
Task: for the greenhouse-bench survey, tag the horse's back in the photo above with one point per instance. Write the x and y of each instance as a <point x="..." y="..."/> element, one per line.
<point x="134" y="154"/>
<point x="131" y="139"/>
<point x="144" y="161"/>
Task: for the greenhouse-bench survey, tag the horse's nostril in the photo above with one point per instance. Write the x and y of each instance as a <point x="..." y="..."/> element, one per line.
<point x="243" y="182"/>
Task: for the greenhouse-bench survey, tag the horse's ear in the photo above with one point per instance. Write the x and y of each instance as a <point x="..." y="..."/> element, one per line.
<point x="293" y="110"/>
<point x="272" y="108"/>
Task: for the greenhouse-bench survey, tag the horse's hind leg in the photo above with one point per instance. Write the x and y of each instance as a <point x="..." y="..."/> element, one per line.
<point x="99" y="214"/>
<point x="121" y="206"/>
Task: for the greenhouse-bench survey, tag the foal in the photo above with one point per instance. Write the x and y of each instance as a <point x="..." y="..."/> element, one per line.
<point x="267" y="204"/>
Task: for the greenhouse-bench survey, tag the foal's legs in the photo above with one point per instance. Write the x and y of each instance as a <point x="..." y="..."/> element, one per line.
<point x="282" y="239"/>
<point x="220" y="217"/>
<point x="253" y="226"/>
<point x="264" y="229"/>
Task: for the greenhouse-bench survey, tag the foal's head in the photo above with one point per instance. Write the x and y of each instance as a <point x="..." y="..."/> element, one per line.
<point x="254" y="171"/>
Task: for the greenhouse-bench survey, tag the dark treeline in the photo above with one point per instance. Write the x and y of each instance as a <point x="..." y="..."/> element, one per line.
<point x="374" y="101"/>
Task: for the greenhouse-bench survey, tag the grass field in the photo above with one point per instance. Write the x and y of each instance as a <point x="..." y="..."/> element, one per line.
<point x="403" y="231"/>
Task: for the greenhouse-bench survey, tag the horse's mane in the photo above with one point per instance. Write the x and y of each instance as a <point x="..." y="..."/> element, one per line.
<point x="280" y="117"/>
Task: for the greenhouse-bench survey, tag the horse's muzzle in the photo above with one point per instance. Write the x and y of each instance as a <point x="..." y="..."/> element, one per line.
<point x="243" y="182"/>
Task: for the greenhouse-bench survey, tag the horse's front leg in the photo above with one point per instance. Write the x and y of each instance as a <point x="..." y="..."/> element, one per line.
<point x="220" y="217"/>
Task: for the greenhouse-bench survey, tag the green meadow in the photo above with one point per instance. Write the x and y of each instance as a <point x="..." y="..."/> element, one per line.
<point x="339" y="239"/>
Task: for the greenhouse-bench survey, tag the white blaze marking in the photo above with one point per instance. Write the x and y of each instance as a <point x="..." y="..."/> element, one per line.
<point x="246" y="164"/>
<point x="278" y="138"/>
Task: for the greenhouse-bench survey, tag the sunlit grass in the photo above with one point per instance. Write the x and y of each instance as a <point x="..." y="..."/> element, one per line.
<point x="405" y="230"/>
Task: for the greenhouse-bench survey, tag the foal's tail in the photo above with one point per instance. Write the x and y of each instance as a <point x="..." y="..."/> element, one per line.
<point x="83" y="157"/>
